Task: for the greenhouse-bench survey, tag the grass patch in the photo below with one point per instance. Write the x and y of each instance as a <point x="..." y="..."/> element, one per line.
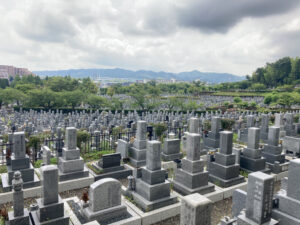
<point x="94" y="169"/>
<point x="244" y="173"/>
<point x="38" y="163"/>
<point x="95" y="155"/>
<point x="2" y="221"/>
<point x="130" y="199"/>
<point x="3" y="169"/>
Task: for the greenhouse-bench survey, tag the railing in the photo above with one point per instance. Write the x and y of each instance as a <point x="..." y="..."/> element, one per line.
<point x="94" y="142"/>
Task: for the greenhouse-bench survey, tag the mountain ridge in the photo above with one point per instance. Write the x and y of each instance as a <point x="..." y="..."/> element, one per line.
<point x="209" y="77"/>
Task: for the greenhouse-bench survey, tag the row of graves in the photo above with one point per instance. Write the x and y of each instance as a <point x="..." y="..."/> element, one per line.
<point x="163" y="180"/>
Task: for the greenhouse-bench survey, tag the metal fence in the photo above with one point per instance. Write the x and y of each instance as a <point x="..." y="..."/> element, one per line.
<point x="94" y="142"/>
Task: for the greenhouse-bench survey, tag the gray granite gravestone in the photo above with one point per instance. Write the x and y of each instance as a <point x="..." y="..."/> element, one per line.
<point x="272" y="152"/>
<point x="19" y="214"/>
<point x="195" y="210"/>
<point x="264" y="128"/>
<point x="46" y="155"/>
<point x="191" y="178"/>
<point x="110" y="166"/>
<point x="251" y="159"/>
<point x="50" y="206"/>
<point x="71" y="165"/>
<point x="258" y="201"/>
<point x="19" y="162"/>
<point x="171" y="150"/>
<point x="213" y="138"/>
<point x="152" y="191"/>
<point x="122" y="148"/>
<point x="289" y="198"/>
<point x="137" y="153"/>
<point x="105" y="201"/>
<point x="223" y="169"/>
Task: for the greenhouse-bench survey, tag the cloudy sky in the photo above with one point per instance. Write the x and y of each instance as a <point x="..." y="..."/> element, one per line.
<point x="233" y="36"/>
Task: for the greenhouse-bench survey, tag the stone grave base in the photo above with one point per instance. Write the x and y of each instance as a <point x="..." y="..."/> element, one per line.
<point x="7" y="187"/>
<point x="137" y="157"/>
<point x="137" y="163"/>
<point x="253" y="165"/>
<point x="285" y="218"/>
<point x="171" y="157"/>
<point x="278" y="168"/>
<point x="105" y="214"/>
<point x="52" y="214"/>
<point x="263" y="136"/>
<point x="211" y="143"/>
<point x="24" y="220"/>
<point x="73" y="208"/>
<point x="152" y="205"/>
<point x="242" y="220"/>
<point x="73" y="175"/>
<point x="226" y="183"/>
<point x="117" y="172"/>
<point x="183" y="190"/>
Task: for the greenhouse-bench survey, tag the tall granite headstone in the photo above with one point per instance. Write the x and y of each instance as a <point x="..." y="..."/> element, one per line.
<point x="223" y="169"/>
<point x="71" y="165"/>
<point x="259" y="201"/>
<point x="50" y="207"/>
<point x="137" y="153"/>
<point x="191" y="177"/>
<point x="251" y="158"/>
<point x="152" y="190"/>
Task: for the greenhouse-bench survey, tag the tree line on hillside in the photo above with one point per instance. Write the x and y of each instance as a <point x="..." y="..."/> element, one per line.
<point x="278" y="79"/>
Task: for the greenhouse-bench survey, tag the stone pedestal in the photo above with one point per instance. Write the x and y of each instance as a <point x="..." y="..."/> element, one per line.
<point x="195" y="210"/>
<point x="50" y="206"/>
<point x="191" y="178"/>
<point x="71" y="165"/>
<point x="171" y="150"/>
<point x="289" y="199"/>
<point x="152" y="191"/>
<point x="251" y="159"/>
<point x="110" y="166"/>
<point x="272" y="152"/>
<point x="19" y="162"/>
<point x="223" y="170"/>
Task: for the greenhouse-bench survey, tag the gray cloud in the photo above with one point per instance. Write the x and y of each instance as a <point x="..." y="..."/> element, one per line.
<point x="220" y="15"/>
<point x="45" y="25"/>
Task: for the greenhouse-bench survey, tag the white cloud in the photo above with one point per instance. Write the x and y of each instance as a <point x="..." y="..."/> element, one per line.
<point x="157" y="35"/>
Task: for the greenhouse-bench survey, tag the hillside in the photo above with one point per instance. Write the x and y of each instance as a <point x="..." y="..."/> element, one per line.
<point x="144" y="74"/>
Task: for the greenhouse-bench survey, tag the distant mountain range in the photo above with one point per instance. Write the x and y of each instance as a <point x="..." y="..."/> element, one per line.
<point x="144" y="74"/>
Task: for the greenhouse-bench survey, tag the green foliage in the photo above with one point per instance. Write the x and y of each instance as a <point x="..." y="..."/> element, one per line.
<point x="258" y="87"/>
<point x="34" y="141"/>
<point x="4" y="83"/>
<point x="94" y="169"/>
<point x="82" y="136"/>
<point x="96" y="101"/>
<point x="244" y="173"/>
<point x="285" y="71"/>
<point x="159" y="129"/>
<point x="3" y="169"/>
<point x="227" y="124"/>
<point x="237" y="100"/>
<point x="95" y="155"/>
